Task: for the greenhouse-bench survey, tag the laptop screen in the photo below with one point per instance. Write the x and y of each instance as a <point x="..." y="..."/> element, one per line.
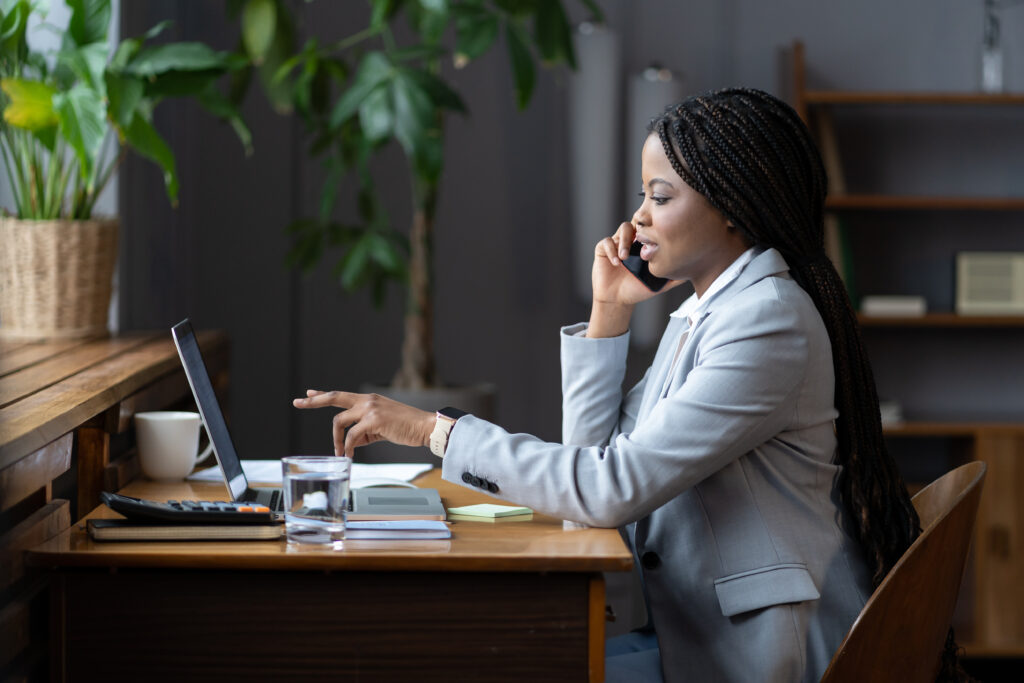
<point x="209" y="409"/>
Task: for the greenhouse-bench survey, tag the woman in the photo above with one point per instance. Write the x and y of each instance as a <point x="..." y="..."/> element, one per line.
<point x="747" y="466"/>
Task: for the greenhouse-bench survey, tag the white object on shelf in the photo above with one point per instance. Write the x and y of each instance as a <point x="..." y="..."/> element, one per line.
<point x="891" y="412"/>
<point x="990" y="282"/>
<point x="891" y="305"/>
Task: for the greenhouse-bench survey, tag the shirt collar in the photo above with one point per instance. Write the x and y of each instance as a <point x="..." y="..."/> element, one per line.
<point x="694" y="307"/>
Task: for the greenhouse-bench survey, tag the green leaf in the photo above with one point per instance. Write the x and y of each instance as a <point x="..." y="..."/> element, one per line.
<point x="382" y="12"/>
<point x="81" y="115"/>
<point x="329" y="191"/>
<point x="353" y="266"/>
<point x="522" y="65"/>
<point x="385" y="254"/>
<point x="151" y="61"/>
<point x="476" y="28"/>
<point x="179" y="83"/>
<point x="87" y="62"/>
<point x="307" y="245"/>
<point x="278" y="92"/>
<point x="157" y="29"/>
<point x="259" y="23"/>
<point x="435" y="5"/>
<point x="90" y="21"/>
<point x="124" y="53"/>
<point x="374" y="69"/>
<point x="596" y="15"/>
<point x="554" y="37"/>
<point x="414" y="113"/>
<point x="31" y="104"/>
<point x="124" y="94"/>
<point x="13" y="48"/>
<point x="144" y="139"/>
<point x="214" y="102"/>
<point x="440" y="93"/>
<point x="377" y="115"/>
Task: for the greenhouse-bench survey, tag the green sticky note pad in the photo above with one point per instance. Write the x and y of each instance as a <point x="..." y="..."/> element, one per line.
<point x="489" y="510"/>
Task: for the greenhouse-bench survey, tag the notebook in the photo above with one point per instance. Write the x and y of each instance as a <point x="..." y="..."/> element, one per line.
<point x="405" y="503"/>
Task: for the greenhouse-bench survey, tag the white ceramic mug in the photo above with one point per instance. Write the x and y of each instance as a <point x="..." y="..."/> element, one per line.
<point x="168" y="442"/>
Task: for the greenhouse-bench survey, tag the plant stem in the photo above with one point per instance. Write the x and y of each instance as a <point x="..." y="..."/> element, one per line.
<point x="355" y="38"/>
<point x="418" y="370"/>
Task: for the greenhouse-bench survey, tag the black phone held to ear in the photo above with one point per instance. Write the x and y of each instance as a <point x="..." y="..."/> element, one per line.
<point x="639" y="267"/>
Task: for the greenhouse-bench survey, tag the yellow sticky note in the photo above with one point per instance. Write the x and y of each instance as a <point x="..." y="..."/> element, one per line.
<point x="489" y="510"/>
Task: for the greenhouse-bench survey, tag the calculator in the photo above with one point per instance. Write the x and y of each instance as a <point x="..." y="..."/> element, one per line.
<point x="188" y="511"/>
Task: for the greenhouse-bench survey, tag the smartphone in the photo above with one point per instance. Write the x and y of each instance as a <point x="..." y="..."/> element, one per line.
<point x="639" y="267"/>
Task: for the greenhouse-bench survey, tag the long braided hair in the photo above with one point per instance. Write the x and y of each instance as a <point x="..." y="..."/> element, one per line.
<point x="753" y="159"/>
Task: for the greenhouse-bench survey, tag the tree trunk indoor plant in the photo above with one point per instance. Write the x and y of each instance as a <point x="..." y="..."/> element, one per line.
<point x="57" y="260"/>
<point x="383" y="83"/>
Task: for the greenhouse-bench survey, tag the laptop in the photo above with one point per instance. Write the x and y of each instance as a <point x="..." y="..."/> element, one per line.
<point x="365" y="504"/>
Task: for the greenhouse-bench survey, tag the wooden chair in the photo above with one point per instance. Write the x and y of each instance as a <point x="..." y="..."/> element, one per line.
<point x="901" y="632"/>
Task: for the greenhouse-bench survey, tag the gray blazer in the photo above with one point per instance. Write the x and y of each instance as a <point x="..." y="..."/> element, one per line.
<point x="721" y="473"/>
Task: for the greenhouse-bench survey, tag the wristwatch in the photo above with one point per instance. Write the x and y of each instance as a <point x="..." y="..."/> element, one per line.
<point x="446" y="418"/>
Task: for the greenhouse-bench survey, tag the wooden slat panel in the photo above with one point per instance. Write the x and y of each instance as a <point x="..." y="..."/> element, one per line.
<point x="999" y="543"/>
<point x="93" y="458"/>
<point x="35" y="471"/>
<point x="31" y="379"/>
<point x="30" y="354"/>
<point x="36" y="420"/>
<point x="15" y="630"/>
<point x="365" y="626"/>
<point x="121" y="471"/>
<point x="42" y="525"/>
<point x="163" y="393"/>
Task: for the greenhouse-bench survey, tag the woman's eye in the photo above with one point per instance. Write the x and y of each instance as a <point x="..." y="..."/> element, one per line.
<point x="659" y="200"/>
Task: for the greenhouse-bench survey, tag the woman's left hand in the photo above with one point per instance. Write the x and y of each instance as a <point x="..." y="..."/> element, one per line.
<point x="369" y="418"/>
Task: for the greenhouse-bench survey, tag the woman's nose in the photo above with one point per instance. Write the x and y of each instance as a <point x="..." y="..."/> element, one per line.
<point x="640" y="216"/>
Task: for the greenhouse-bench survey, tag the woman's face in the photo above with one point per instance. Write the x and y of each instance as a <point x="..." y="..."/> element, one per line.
<point x="684" y="237"/>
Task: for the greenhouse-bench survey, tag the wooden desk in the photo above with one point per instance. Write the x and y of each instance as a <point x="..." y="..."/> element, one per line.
<point x="500" y="601"/>
<point x="66" y="411"/>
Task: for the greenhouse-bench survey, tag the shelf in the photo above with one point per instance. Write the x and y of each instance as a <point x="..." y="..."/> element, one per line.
<point x="941" y="320"/>
<point x="941" y="428"/>
<point x="816" y="97"/>
<point x="870" y="202"/>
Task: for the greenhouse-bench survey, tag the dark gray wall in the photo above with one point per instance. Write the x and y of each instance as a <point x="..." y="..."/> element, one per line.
<point x="503" y="239"/>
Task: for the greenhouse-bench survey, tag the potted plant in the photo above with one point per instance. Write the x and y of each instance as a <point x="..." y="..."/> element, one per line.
<point x="385" y="82"/>
<point x="57" y="259"/>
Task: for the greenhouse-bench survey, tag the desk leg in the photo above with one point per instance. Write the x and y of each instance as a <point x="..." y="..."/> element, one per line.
<point x="596" y="629"/>
<point x="93" y="458"/>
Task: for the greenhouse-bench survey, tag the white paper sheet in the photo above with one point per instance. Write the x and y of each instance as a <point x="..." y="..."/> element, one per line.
<point x="269" y="472"/>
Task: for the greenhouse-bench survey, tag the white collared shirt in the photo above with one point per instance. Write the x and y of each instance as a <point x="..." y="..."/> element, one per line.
<point x="693" y="308"/>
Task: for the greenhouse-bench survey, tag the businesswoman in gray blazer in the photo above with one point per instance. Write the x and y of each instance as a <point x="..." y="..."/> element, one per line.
<point x="747" y="468"/>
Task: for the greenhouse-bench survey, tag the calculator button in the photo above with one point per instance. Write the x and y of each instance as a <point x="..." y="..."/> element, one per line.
<point x="261" y="508"/>
<point x="245" y="508"/>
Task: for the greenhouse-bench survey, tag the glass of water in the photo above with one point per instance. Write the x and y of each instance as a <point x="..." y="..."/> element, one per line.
<point x="315" y="498"/>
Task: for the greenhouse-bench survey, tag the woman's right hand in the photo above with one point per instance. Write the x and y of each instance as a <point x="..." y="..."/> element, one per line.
<point x="611" y="282"/>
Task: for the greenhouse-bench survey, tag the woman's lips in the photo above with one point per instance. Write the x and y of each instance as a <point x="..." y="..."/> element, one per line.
<point x="647" y="250"/>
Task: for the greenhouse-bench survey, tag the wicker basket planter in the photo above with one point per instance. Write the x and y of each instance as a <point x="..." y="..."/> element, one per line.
<point x="56" y="277"/>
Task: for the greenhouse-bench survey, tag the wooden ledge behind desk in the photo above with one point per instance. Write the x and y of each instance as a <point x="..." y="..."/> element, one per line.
<point x="66" y="411"/>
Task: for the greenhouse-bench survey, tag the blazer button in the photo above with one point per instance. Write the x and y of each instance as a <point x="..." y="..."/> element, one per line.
<point x="467" y="477"/>
<point x="492" y="487"/>
<point x="650" y="560"/>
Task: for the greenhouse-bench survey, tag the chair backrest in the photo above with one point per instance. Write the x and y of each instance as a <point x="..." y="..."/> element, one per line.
<point x="900" y="634"/>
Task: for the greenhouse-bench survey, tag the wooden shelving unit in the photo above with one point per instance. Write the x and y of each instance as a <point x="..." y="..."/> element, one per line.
<point x="941" y="320"/>
<point x="878" y="202"/>
<point x="991" y="613"/>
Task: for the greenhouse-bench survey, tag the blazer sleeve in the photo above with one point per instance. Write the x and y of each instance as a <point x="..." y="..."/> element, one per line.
<point x="741" y="393"/>
<point x="593" y="408"/>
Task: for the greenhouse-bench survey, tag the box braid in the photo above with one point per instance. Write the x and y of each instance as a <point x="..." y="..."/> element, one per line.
<point x="751" y="156"/>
